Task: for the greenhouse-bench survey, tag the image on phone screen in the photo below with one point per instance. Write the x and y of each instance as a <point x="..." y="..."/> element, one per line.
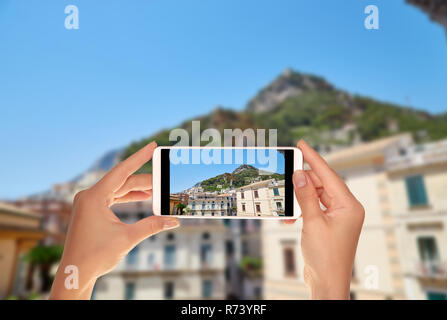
<point x="227" y="182"/>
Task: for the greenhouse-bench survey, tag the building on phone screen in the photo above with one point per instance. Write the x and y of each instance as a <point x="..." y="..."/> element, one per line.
<point x="261" y="199"/>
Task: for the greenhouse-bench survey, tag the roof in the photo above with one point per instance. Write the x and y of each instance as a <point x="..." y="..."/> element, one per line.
<point x="365" y="150"/>
<point x="258" y="184"/>
<point x="10" y="209"/>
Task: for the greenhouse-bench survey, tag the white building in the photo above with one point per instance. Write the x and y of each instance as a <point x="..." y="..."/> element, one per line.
<point x="418" y="186"/>
<point x="185" y="263"/>
<point x="263" y="198"/>
<point x="402" y="248"/>
<point x="211" y="204"/>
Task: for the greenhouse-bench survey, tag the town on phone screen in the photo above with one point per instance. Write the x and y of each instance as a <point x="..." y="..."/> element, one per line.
<point x="237" y="183"/>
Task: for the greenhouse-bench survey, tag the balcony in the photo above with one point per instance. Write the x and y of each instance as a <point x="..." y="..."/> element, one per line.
<point x="431" y="269"/>
<point x="279" y="212"/>
<point x="419" y="155"/>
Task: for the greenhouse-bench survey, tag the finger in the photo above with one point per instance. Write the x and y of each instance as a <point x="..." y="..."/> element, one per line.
<point x="150" y="226"/>
<point x="332" y="182"/>
<point x="325" y="198"/>
<point x="134" y="196"/>
<point x="289" y="221"/>
<point x="306" y="195"/>
<point x="136" y="182"/>
<point x="116" y="177"/>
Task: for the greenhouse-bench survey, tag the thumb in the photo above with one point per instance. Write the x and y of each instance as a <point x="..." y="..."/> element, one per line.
<point x="149" y="226"/>
<point x="306" y="194"/>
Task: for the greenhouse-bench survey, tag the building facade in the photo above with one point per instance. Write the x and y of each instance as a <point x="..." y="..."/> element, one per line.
<point x="185" y="263"/>
<point x="211" y="204"/>
<point x="263" y="198"/>
<point x="418" y="184"/>
<point x="402" y="247"/>
<point x="20" y="231"/>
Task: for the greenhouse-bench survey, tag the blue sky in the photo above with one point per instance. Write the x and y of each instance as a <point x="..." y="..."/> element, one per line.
<point x="186" y="175"/>
<point x="135" y="67"/>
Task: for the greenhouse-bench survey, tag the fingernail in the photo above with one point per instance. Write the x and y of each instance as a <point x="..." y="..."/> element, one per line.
<point x="169" y="223"/>
<point x="299" y="179"/>
<point x="153" y="144"/>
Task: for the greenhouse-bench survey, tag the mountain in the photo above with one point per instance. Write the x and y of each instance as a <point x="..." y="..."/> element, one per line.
<point x="288" y="85"/>
<point x="299" y="106"/>
<point x="241" y="176"/>
<point x="303" y="106"/>
<point x="103" y="164"/>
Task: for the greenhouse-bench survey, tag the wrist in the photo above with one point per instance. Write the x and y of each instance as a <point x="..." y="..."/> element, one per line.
<point x="72" y="282"/>
<point x="329" y="287"/>
<point x="329" y="291"/>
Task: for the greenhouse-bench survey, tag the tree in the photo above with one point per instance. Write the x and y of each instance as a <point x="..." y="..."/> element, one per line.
<point x="44" y="257"/>
<point x="180" y="208"/>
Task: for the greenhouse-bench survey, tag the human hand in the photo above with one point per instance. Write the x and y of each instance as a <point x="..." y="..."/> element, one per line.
<point x="97" y="240"/>
<point x="329" y="237"/>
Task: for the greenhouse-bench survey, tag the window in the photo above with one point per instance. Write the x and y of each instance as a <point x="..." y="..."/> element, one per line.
<point x="212" y="206"/>
<point x="229" y="247"/>
<point x="170" y="236"/>
<point x="242" y="195"/>
<point x="256" y="194"/>
<point x="129" y="293"/>
<point x="428" y="250"/>
<point x="257" y="293"/>
<point x="132" y="257"/>
<point x="205" y="255"/>
<point x="207" y="289"/>
<point x="275" y="191"/>
<point x="289" y="262"/>
<point x="168" y="290"/>
<point x="150" y="260"/>
<point x="245" y="248"/>
<point x="243" y="207"/>
<point x="193" y="206"/>
<point x="169" y="257"/>
<point x="205" y="236"/>
<point x="278" y="205"/>
<point x="417" y="195"/>
<point x="258" y="208"/>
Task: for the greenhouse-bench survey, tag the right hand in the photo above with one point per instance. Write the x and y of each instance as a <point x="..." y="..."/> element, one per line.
<point x="329" y="237"/>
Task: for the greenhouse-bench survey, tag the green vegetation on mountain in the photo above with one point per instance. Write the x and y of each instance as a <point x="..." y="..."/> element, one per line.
<point x="303" y="106"/>
<point x="242" y="176"/>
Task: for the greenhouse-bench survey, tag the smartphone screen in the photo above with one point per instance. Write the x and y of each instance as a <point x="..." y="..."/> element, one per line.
<point x="227" y="182"/>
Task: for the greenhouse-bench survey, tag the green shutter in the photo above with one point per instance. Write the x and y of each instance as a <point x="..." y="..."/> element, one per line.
<point x="417" y="195"/>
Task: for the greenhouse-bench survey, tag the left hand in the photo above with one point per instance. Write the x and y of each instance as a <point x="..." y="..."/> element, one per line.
<point x="97" y="240"/>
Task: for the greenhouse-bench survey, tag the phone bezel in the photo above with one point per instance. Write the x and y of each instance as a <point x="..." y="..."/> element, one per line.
<point x="156" y="182"/>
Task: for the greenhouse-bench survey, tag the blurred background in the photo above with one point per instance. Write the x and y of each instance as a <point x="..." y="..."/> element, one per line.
<point x="74" y="102"/>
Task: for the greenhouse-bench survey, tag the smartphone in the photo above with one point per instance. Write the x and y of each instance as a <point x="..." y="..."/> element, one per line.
<point x="225" y="182"/>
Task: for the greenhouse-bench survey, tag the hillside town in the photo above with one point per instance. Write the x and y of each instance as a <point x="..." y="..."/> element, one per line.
<point x="400" y="183"/>
<point x="258" y="198"/>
